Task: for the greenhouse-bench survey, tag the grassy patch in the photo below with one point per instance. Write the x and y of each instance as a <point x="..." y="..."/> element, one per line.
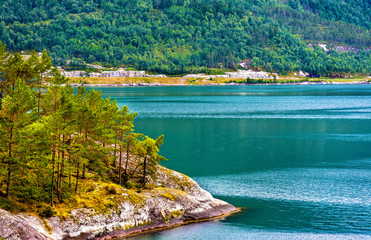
<point x="204" y="81"/>
<point x="126" y="80"/>
<point x="169" y="193"/>
<point x="47" y="227"/>
<point x="176" y="213"/>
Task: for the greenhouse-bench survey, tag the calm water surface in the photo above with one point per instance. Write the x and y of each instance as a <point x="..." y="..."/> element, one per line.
<point x="297" y="157"/>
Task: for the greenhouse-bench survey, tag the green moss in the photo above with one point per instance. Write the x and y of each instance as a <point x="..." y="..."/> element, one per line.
<point x="183" y="182"/>
<point x="177" y="213"/>
<point x="47" y="227"/>
<point x="63" y="215"/>
<point x="144" y="223"/>
<point x="111" y="189"/>
<point x="109" y="204"/>
<point x="164" y="215"/>
<point x="135" y="198"/>
<point x="169" y="193"/>
<point x="106" y="197"/>
<point x="99" y="196"/>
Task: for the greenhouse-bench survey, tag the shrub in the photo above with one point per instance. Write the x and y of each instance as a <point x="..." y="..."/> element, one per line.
<point x="8" y="205"/>
<point x="91" y="188"/>
<point x="31" y="194"/>
<point x="111" y="189"/>
<point x="47" y="212"/>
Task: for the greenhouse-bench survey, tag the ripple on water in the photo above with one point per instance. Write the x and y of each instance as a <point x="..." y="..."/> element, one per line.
<point x="220" y="230"/>
<point x="322" y="185"/>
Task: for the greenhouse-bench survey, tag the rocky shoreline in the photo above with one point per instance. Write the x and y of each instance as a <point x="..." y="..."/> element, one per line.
<point x="176" y="201"/>
<point x="216" y="213"/>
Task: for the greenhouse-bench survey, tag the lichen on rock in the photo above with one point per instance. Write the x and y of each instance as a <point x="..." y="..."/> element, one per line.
<point x="108" y="210"/>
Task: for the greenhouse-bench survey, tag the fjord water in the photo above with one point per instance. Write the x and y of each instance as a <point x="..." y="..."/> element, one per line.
<point x="298" y="158"/>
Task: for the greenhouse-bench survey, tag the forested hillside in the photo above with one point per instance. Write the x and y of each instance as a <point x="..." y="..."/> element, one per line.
<point x="179" y="36"/>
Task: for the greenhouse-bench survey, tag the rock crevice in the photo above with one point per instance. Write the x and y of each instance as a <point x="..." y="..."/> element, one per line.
<point x="177" y="200"/>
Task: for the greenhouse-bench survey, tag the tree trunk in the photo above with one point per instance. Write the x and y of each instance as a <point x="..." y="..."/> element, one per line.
<point x="69" y="171"/>
<point x="83" y="171"/>
<point x="39" y="97"/>
<point x="114" y="159"/>
<point x="52" y="187"/>
<point x="84" y="165"/>
<point x="144" y="171"/>
<point x="127" y="158"/>
<point x="9" y="161"/>
<point x="120" y="164"/>
<point x="134" y="171"/>
<point x="58" y="175"/>
<point x="58" y="183"/>
<point x="62" y="169"/>
<point x="77" y="177"/>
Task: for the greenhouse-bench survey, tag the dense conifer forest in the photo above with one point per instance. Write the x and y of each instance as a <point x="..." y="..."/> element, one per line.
<point x="180" y="36"/>
<point x="53" y="137"/>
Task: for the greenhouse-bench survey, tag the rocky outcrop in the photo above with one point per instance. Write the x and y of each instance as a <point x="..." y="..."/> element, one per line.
<point x="21" y="226"/>
<point x="177" y="199"/>
<point x="239" y="74"/>
<point x="249" y="74"/>
<point x="301" y="74"/>
<point x="73" y="73"/>
<point x="120" y="73"/>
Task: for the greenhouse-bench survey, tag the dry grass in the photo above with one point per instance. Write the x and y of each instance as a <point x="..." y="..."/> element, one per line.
<point x="196" y="81"/>
<point x="127" y="80"/>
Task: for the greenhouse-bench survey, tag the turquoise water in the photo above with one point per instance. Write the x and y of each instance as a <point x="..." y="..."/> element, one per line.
<point x="298" y="158"/>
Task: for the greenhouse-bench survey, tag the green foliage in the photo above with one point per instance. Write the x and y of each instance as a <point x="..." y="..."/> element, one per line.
<point x="53" y="141"/>
<point x="8" y="205"/>
<point x="47" y="212"/>
<point x="31" y="194"/>
<point x="175" y="37"/>
<point x="148" y="148"/>
<point x="111" y="189"/>
<point x="352" y="11"/>
<point x="214" y="71"/>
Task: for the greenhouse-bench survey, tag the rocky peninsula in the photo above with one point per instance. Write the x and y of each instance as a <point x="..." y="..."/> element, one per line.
<point x="175" y="199"/>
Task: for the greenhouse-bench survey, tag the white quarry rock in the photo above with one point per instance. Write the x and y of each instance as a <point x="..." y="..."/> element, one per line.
<point x="238" y="74"/>
<point x="323" y="46"/>
<point x="117" y="73"/>
<point x="249" y="74"/>
<point x="302" y="74"/>
<point x="73" y="73"/>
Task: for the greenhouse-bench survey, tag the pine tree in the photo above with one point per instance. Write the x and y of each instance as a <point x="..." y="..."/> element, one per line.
<point x="42" y="68"/>
<point x="148" y="149"/>
<point x="15" y="114"/>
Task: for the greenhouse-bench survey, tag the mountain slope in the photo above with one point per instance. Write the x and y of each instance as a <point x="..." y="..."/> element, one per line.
<point x="178" y="36"/>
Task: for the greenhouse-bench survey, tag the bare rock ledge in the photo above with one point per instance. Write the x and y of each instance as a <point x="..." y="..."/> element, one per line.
<point x="179" y="200"/>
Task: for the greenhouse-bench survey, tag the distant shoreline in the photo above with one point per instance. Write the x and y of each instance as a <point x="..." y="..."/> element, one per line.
<point x="217" y="84"/>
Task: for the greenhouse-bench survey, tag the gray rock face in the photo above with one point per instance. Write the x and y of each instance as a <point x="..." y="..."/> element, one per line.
<point x="178" y="200"/>
<point x="19" y="227"/>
